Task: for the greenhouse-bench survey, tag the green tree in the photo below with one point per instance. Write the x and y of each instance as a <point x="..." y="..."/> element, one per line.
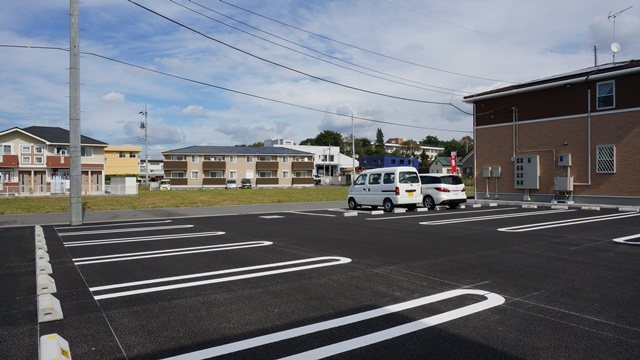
<point x="431" y="140"/>
<point x="257" y="144"/>
<point x="378" y="146"/>
<point x="309" y="141"/>
<point x="329" y="138"/>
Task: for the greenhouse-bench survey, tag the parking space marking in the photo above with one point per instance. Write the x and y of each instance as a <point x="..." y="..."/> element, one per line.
<point x="436" y="214"/>
<point x="623" y="240"/>
<point x="347" y="345"/>
<point x="324" y="261"/>
<point x="551" y="224"/>
<point x="312" y="214"/>
<point x="111" y="225"/>
<point x="492" y="217"/>
<point x="170" y="252"/>
<point x="93" y="232"/>
<point x="141" y="238"/>
<point x="272" y="217"/>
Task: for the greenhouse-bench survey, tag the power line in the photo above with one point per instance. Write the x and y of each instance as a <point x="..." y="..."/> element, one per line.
<point x="317" y="52"/>
<point x="284" y="66"/>
<point x="363" y="49"/>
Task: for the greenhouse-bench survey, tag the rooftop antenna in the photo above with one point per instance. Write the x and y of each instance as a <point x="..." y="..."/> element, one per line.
<point x="615" y="47"/>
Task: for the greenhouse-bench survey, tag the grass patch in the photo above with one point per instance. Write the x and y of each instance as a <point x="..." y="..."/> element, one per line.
<point x="174" y="199"/>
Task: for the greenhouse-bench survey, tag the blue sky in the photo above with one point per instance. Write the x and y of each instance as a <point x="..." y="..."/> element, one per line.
<point x="385" y="54"/>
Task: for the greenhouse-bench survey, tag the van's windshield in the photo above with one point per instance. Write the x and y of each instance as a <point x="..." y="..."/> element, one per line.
<point x="408" y="177"/>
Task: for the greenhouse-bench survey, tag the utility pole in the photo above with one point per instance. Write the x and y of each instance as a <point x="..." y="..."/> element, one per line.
<point x="146" y="153"/>
<point x="75" y="166"/>
<point x="353" y="152"/>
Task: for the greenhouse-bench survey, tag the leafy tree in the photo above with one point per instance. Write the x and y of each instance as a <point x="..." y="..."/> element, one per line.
<point x="378" y="146"/>
<point x="431" y="140"/>
<point x="309" y="141"/>
<point x="409" y="148"/>
<point x="257" y="144"/>
<point x="329" y="138"/>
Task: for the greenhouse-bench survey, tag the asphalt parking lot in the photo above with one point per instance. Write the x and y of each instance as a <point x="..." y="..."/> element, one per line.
<point x="499" y="282"/>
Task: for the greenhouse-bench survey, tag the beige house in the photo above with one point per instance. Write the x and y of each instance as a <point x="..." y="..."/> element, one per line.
<point x="122" y="160"/>
<point x="211" y="166"/>
<point x="35" y="161"/>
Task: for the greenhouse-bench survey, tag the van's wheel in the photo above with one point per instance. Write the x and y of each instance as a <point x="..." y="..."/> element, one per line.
<point x="428" y="202"/>
<point x="388" y="205"/>
<point x="352" y="204"/>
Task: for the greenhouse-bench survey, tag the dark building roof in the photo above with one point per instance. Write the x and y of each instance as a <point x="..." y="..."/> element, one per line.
<point x="57" y="135"/>
<point x="236" y="150"/>
<point x="588" y="72"/>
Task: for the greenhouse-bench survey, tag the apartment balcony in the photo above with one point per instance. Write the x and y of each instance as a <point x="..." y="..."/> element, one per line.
<point x="214" y="165"/>
<point x="267" y="181"/>
<point x="9" y="161"/>
<point x="302" y="165"/>
<point x="302" y="181"/>
<point x="175" y="165"/>
<point x="267" y="165"/>
<point x="214" y="181"/>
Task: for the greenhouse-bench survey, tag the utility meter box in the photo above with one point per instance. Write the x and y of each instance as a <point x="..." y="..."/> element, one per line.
<point x="527" y="172"/>
<point x="563" y="183"/>
<point x="495" y="171"/>
<point x="486" y="171"/>
<point x="564" y="159"/>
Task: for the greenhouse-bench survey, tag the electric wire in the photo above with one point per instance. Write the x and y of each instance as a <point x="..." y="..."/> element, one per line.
<point x="318" y="52"/>
<point x="253" y="95"/>
<point x="284" y="66"/>
<point x="363" y="49"/>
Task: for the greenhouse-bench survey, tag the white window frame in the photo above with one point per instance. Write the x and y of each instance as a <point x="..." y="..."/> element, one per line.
<point x="233" y="159"/>
<point x="26" y="160"/>
<point x="285" y="158"/>
<point x="264" y="173"/>
<point x="177" y="175"/>
<point x="301" y="173"/>
<point x="599" y="96"/>
<point x="177" y="157"/>
<point x="25" y="149"/>
<point x="249" y="159"/>
<point x="195" y="159"/>
<point x="286" y="174"/>
<point x="233" y="174"/>
<point x="86" y="151"/>
<point x="195" y="174"/>
<point x="216" y="174"/>
<point x="4" y="149"/>
<point x="38" y="160"/>
<point x="38" y="150"/>
<point x="606" y="159"/>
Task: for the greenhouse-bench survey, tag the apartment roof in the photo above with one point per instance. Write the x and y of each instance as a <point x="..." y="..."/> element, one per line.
<point x="57" y="135"/>
<point x="236" y="150"/>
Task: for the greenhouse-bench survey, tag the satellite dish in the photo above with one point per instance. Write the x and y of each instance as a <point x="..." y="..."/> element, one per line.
<point x="615" y="47"/>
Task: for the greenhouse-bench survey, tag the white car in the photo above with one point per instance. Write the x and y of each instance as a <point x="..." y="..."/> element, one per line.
<point x="231" y="184"/>
<point x="442" y="189"/>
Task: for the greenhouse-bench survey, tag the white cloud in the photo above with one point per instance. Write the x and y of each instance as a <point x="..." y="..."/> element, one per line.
<point x="193" y="110"/>
<point x="113" y="97"/>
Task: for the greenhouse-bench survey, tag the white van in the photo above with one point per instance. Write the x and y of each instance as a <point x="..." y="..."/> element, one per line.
<point x="386" y="187"/>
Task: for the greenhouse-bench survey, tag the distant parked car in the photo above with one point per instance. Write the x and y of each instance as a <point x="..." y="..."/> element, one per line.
<point x="231" y="184"/>
<point x="442" y="189"/>
<point x="245" y="184"/>
<point x="165" y="184"/>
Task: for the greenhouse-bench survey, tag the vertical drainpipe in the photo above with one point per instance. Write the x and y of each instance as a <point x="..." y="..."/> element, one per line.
<point x="588" y="133"/>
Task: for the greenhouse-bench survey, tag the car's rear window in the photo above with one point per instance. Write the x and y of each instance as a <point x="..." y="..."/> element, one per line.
<point x="408" y="177"/>
<point x="449" y="180"/>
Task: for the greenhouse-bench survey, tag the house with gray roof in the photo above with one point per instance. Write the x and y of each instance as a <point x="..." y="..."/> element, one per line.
<point x="35" y="161"/>
<point x="212" y="166"/>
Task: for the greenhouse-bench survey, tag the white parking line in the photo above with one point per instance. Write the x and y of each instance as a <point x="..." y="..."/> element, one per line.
<point x="312" y="214"/>
<point x="551" y="224"/>
<point x="337" y="348"/>
<point x="436" y="214"/>
<point x="491" y="217"/>
<point x="110" y="225"/>
<point x="334" y="260"/>
<point x="141" y="238"/>
<point x="124" y="230"/>
<point x="624" y="239"/>
<point x="170" y="252"/>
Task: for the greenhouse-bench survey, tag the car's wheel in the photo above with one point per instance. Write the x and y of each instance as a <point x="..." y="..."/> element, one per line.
<point x="428" y="202"/>
<point x="454" y="206"/>
<point x="388" y="205"/>
<point x="352" y="204"/>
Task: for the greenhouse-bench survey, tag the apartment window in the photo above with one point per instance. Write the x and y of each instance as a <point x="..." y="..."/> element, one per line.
<point x="38" y="149"/>
<point x="301" y="173"/>
<point x="195" y="175"/>
<point x="177" y="158"/>
<point x="606" y="159"/>
<point x="122" y="155"/>
<point x="216" y="174"/>
<point x="233" y="159"/>
<point x="264" y="158"/>
<point x="195" y="158"/>
<point x="265" y="174"/>
<point x="285" y="159"/>
<point x="6" y="150"/>
<point x="86" y="152"/>
<point x="132" y="155"/>
<point x="5" y="176"/>
<point x="249" y="159"/>
<point x="606" y="95"/>
<point x="25" y="149"/>
<point x="233" y="174"/>
<point x="177" y="174"/>
<point x="285" y="174"/>
<point x="26" y="159"/>
<point x="38" y="160"/>
<point x="216" y="158"/>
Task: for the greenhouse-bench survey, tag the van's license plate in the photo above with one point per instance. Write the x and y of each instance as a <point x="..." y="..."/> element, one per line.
<point x="410" y="193"/>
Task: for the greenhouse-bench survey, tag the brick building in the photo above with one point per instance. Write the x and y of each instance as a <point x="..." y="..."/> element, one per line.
<point x="571" y="137"/>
